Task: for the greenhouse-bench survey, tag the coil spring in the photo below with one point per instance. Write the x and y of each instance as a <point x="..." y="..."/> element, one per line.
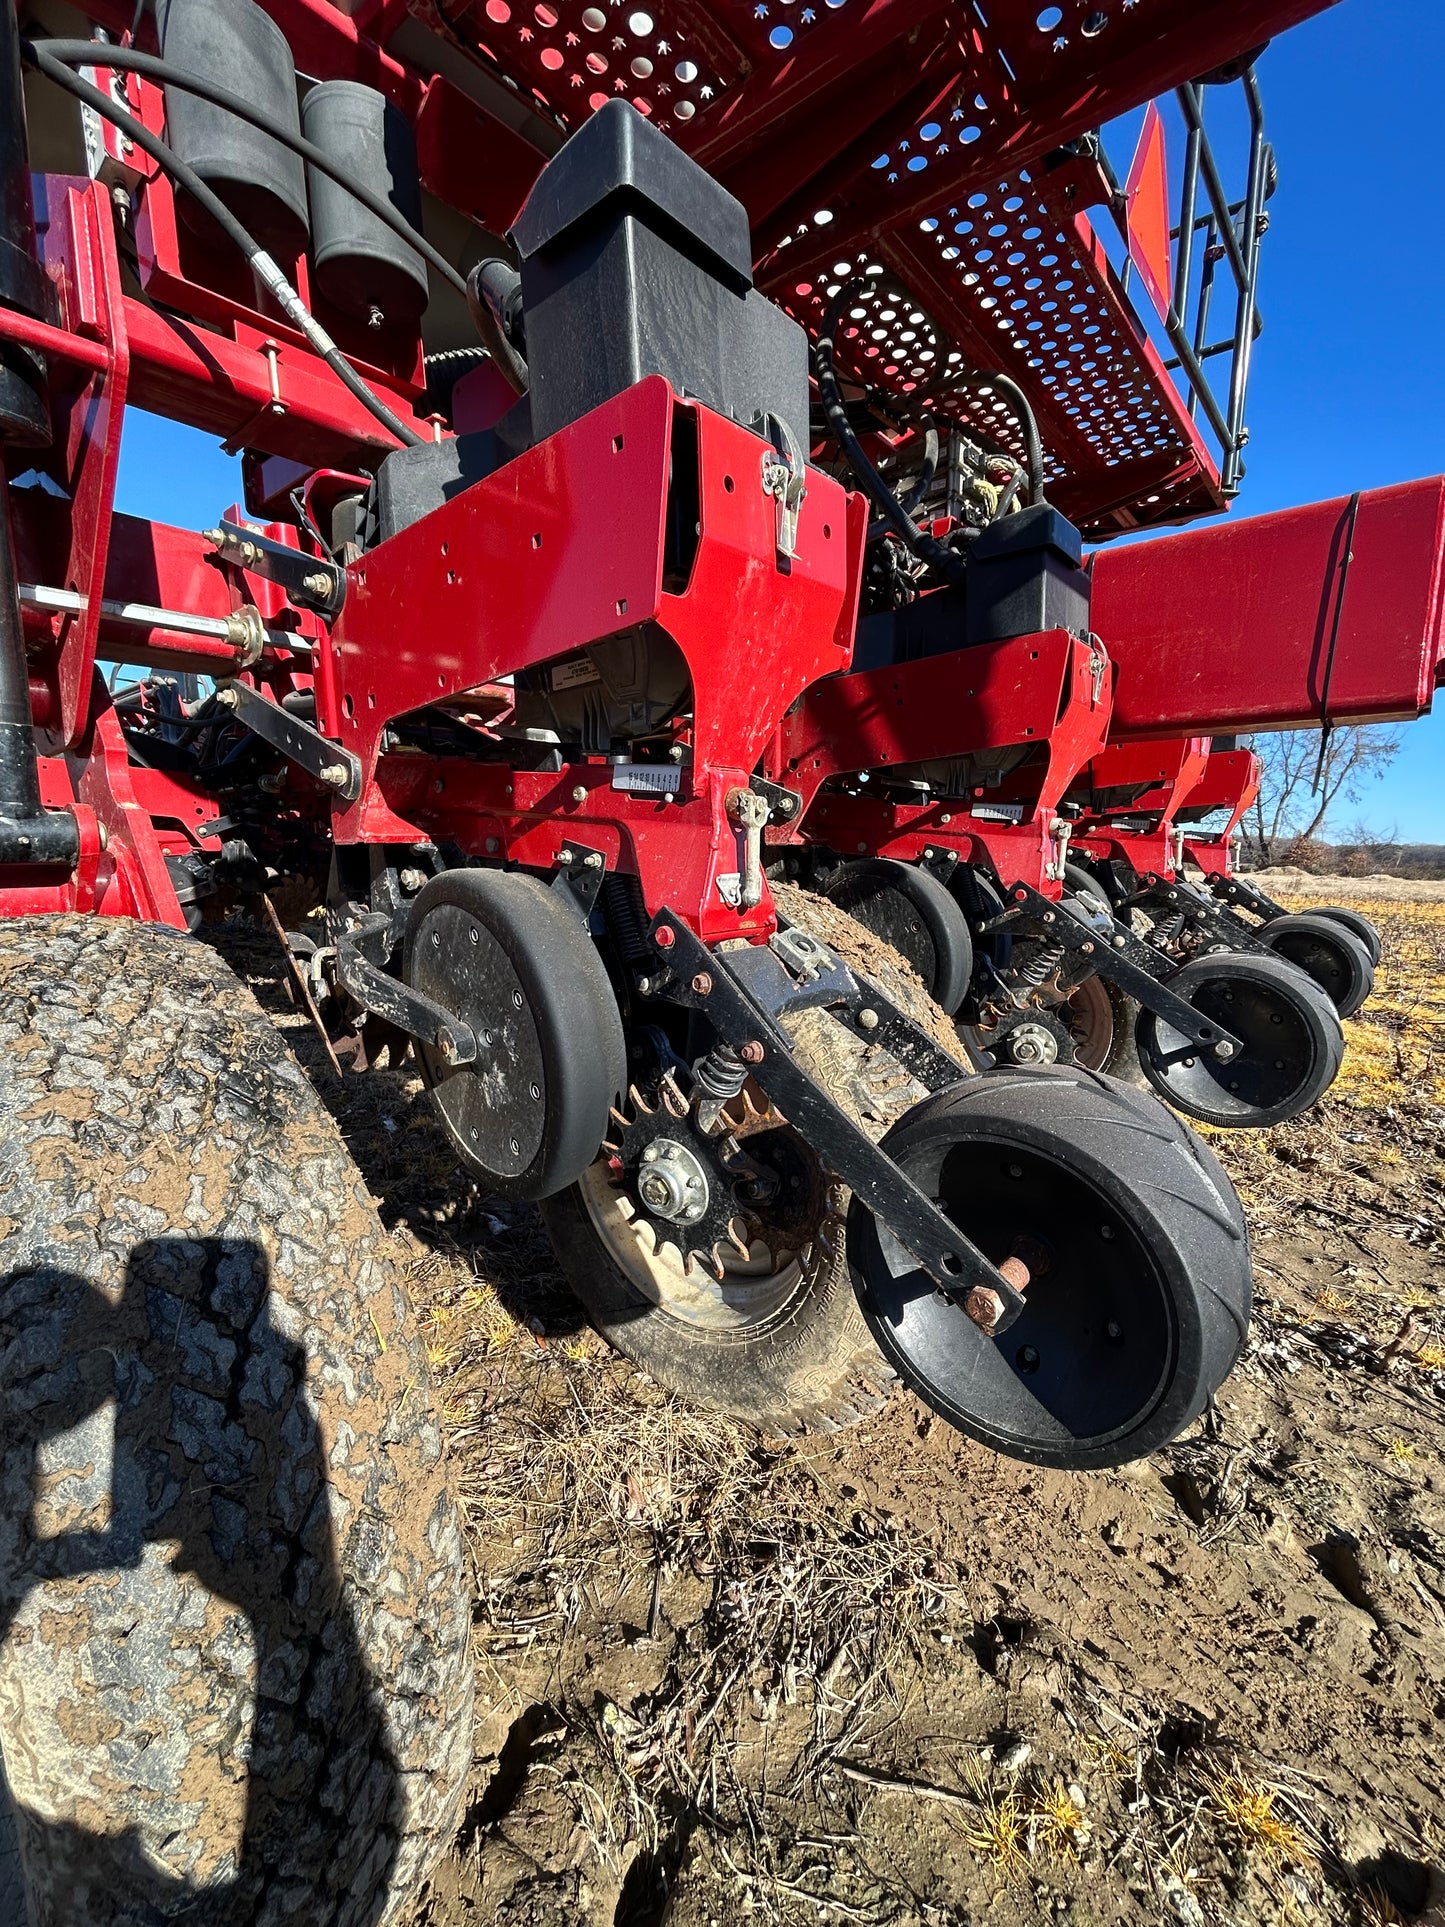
<point x="626" y="915"/>
<point x="1040" y="967"/>
<point x="1167" y="933"/>
<point x="721" y="1074"/>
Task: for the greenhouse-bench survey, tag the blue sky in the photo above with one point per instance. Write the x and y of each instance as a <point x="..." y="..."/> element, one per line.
<point x="1349" y="382"/>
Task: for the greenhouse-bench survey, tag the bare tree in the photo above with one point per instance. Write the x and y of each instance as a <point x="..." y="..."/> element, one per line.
<point x="1299" y="787"/>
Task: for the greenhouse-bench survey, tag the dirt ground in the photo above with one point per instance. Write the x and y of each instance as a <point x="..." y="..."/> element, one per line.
<point x="887" y="1677"/>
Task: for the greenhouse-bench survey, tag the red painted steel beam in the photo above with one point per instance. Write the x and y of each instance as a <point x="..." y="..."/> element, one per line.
<point x="193" y="375"/>
<point x="1281" y="620"/>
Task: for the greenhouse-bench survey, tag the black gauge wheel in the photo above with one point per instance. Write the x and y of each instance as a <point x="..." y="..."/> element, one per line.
<point x="1328" y="953"/>
<point x="1290" y="1035"/>
<point x="513" y="960"/>
<point x="911" y="910"/>
<point x="1139" y="1293"/>
<point x="1366" y="931"/>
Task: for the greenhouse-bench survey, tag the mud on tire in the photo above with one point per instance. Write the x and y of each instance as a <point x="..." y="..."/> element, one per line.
<point x="234" y="1672"/>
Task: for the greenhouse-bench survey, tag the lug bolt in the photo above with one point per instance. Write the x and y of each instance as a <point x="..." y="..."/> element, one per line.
<point x="984" y="1307"/>
<point x="752" y="1052"/>
<point x="702" y="983"/>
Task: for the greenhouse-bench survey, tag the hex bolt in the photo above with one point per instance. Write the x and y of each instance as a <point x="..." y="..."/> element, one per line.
<point x="318" y="584"/>
<point x="226" y="699"/>
<point x="594" y="861"/>
<point x="412" y="880"/>
<point x="644" y="986"/>
<point x="702" y="983"/>
<point x="752" y="1052"/>
<point x="867" y="1020"/>
<point x="1224" y="1049"/>
<point x="334" y="775"/>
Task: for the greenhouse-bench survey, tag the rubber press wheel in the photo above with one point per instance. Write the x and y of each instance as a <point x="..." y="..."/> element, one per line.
<point x="235" y="1682"/>
<point x="1139" y="1292"/>
<point x="911" y="910"/>
<point x="1366" y="931"/>
<point x="1329" y="953"/>
<point x="1290" y="1035"/>
<point x="514" y="960"/>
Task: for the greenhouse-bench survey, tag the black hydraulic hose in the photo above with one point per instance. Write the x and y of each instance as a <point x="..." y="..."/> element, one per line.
<point x="944" y="561"/>
<point x="100" y="53"/>
<point x="263" y="266"/>
<point x="924" y="480"/>
<point x="1028" y="423"/>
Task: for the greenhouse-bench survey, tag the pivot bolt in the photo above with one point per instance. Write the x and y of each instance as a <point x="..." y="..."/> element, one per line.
<point x="752" y="1052"/>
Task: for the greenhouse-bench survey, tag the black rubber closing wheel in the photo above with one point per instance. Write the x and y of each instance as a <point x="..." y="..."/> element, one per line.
<point x="1140" y="1289"/>
<point x="1329" y="954"/>
<point x="910" y="909"/>
<point x="1368" y="935"/>
<point x="513" y="960"/>
<point x="1291" y="1038"/>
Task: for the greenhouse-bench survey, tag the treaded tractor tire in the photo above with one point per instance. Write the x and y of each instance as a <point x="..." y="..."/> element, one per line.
<point x="811" y="1367"/>
<point x="235" y="1682"/>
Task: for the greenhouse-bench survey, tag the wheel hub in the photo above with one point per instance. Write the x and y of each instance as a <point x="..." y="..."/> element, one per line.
<point x="672" y="1182"/>
<point x="1031" y="1043"/>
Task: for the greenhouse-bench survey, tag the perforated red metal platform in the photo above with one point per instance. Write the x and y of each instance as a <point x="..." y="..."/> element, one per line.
<point x="908" y="135"/>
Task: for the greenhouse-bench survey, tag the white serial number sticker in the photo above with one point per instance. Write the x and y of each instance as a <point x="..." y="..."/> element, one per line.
<point x="651" y="779"/>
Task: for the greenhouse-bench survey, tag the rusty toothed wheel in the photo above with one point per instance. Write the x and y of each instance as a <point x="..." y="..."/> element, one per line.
<point x="235" y="1683"/>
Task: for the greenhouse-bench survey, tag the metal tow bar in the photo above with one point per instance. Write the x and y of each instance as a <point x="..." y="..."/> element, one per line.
<point x="705" y="980"/>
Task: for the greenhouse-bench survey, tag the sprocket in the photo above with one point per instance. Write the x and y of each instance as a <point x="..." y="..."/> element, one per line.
<point x="707" y="1195"/>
